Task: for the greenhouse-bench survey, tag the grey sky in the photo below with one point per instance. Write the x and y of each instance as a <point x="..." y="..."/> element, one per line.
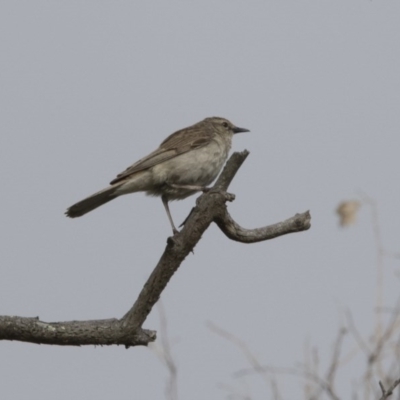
<point x="87" y="88"/>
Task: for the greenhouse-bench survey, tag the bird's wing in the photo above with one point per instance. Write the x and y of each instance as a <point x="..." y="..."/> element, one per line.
<point x="178" y="143"/>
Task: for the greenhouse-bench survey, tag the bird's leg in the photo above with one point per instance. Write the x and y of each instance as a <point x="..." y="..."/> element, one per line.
<point x="165" y="202"/>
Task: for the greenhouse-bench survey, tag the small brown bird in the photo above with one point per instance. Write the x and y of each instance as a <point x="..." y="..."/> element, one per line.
<point x="185" y="163"/>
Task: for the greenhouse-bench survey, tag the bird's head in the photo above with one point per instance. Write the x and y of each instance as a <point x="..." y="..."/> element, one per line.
<point x="224" y="126"/>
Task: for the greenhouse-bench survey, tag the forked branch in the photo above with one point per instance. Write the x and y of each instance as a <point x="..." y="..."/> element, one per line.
<point x="210" y="207"/>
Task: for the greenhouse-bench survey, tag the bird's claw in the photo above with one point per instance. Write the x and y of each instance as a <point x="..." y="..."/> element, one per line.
<point x="228" y="196"/>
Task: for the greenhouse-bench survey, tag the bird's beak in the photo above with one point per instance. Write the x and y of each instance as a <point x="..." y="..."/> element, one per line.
<point x="236" y="129"/>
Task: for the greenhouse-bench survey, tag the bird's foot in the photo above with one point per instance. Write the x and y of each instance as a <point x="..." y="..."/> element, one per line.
<point x="172" y="240"/>
<point x="228" y="196"/>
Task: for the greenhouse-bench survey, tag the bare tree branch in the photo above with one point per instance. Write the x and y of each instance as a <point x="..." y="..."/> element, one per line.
<point x="298" y="223"/>
<point x="210" y="206"/>
<point x="388" y="392"/>
<point x="72" y="333"/>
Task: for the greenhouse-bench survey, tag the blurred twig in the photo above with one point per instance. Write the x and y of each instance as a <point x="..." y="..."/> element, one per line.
<point x="165" y="355"/>
<point x="388" y="392"/>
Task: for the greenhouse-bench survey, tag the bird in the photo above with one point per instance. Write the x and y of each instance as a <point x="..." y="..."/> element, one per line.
<point x="186" y="162"/>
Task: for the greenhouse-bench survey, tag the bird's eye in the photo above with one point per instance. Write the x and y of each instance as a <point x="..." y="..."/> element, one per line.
<point x="225" y="124"/>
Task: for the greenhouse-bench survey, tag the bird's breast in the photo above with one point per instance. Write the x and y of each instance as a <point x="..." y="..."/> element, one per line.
<point x="196" y="167"/>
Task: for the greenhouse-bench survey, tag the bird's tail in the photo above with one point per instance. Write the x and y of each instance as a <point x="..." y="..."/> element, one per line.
<point x="90" y="203"/>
